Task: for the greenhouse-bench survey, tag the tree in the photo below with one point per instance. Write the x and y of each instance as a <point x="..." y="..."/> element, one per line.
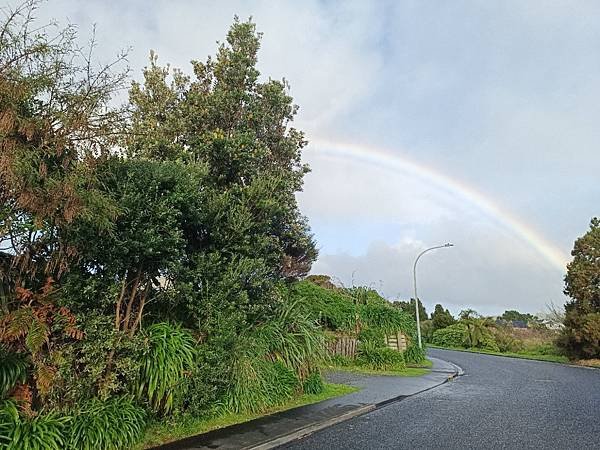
<point x="441" y="318"/>
<point x="513" y="315"/>
<point x="409" y="307"/>
<point x="249" y="235"/>
<point x="581" y="334"/>
<point x="55" y="125"/>
<point x="468" y="313"/>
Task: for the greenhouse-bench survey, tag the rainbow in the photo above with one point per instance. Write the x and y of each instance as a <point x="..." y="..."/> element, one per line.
<point x="392" y="161"/>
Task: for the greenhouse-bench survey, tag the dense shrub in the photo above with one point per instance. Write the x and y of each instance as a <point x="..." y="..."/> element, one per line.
<point x="333" y="308"/>
<point x="386" y="318"/>
<point x="414" y="354"/>
<point x="207" y="384"/>
<point x="379" y="358"/>
<point x="372" y="336"/>
<point x="269" y="361"/>
<point x="452" y="336"/>
<point x="581" y="336"/>
<point x="358" y="309"/>
<point x="257" y="384"/>
<point x="83" y="370"/>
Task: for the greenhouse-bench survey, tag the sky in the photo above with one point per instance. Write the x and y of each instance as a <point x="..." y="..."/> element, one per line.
<point x="471" y="122"/>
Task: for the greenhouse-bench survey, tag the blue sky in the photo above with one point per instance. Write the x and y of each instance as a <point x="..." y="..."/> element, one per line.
<point x="501" y="95"/>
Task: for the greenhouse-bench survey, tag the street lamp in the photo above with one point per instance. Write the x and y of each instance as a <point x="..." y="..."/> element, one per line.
<point x="415" y="280"/>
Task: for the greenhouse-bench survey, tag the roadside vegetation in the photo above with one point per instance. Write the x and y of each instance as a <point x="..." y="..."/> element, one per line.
<point x="362" y="315"/>
<point x="512" y="334"/>
<point x="571" y="334"/>
<point x="151" y="252"/>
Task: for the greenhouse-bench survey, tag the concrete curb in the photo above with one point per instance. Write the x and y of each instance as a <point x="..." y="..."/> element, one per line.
<point x="307" y="431"/>
<point x="313" y="428"/>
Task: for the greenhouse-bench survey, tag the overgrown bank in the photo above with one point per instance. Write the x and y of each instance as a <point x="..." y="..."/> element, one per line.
<point x="150" y="253"/>
<point x="145" y="250"/>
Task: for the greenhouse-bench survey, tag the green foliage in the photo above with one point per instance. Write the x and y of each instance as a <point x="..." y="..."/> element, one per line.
<point x="171" y="355"/>
<point x="13" y="369"/>
<point x="82" y="366"/>
<point x="44" y="431"/>
<point x="513" y="315"/>
<point x="269" y="360"/>
<point x="314" y="383"/>
<point x="414" y="354"/>
<point x="581" y="334"/>
<point x="427" y="330"/>
<point x="336" y="310"/>
<point x="451" y="336"/>
<point x="333" y="308"/>
<point x="379" y="358"/>
<point x="467" y="333"/>
<point x="387" y="319"/>
<point x="9" y="417"/>
<point x="106" y="425"/>
<point x="409" y="308"/>
<point x="478" y="335"/>
<point x="441" y="318"/>
<point x="294" y="339"/>
<point x="208" y="382"/>
<point x="372" y="336"/>
<point x="258" y="384"/>
<point x="185" y="214"/>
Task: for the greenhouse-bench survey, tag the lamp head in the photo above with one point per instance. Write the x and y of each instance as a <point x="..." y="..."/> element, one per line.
<point x="448" y="245"/>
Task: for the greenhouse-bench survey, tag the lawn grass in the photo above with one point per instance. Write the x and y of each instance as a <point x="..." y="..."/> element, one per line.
<point x="427" y="364"/>
<point x="523" y="355"/>
<point x="407" y="372"/>
<point x="349" y="365"/>
<point x="185" y="426"/>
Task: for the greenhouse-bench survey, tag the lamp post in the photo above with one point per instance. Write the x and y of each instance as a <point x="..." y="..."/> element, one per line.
<point x="415" y="281"/>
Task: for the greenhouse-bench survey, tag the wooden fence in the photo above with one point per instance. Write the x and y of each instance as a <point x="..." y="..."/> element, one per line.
<point x="346" y="345"/>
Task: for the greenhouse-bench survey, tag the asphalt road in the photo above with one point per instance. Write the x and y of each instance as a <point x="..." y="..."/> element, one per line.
<point x="498" y="403"/>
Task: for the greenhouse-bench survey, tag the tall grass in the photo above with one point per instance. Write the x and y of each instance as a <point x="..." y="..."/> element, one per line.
<point x="269" y="361"/>
<point x="171" y="356"/>
<point x="379" y="358"/>
<point x="44" y="431"/>
<point x="113" y="424"/>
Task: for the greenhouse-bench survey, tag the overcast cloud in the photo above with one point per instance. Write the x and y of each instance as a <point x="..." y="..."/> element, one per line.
<point x="503" y="96"/>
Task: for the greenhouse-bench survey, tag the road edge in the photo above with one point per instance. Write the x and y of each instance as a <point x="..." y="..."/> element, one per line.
<point x="523" y="358"/>
<point x="313" y="428"/>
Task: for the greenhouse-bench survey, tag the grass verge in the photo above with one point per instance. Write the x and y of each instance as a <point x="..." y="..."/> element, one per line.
<point x="524" y="355"/>
<point x="427" y="364"/>
<point x="186" y="426"/>
<point x="406" y="372"/>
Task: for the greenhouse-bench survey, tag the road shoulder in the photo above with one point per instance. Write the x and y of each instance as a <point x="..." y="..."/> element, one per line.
<point x="280" y="428"/>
